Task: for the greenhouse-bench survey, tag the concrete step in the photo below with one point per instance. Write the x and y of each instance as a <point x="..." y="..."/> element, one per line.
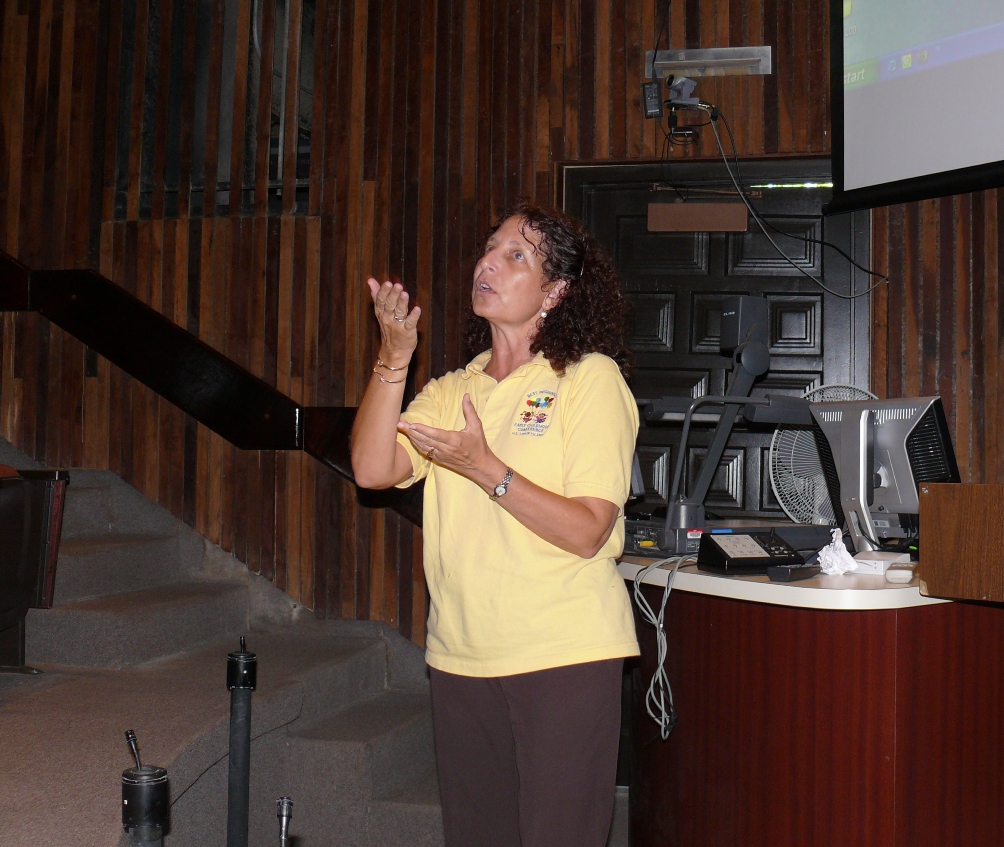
<point x="118" y="563"/>
<point x="128" y="629"/>
<point x="411" y="816"/>
<point x="63" y="747"/>
<point x="98" y="502"/>
<point x="198" y="815"/>
<point x="356" y="759"/>
<point x="388" y="736"/>
<point x="360" y="674"/>
<point x="145" y="613"/>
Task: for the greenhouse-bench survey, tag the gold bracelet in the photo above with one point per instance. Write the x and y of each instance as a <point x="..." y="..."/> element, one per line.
<point x="381" y="377"/>
<point x="382" y="364"/>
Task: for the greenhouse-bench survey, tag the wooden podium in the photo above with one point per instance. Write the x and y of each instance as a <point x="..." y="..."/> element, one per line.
<point x="832" y="724"/>
<point x="962" y="542"/>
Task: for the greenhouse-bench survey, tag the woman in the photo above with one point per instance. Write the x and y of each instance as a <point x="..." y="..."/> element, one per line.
<point x="527" y="455"/>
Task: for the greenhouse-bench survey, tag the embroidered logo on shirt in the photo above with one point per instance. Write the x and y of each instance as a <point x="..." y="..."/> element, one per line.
<point x="534" y="418"/>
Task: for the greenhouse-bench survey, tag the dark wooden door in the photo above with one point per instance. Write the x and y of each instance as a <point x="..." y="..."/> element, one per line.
<point x="676" y="282"/>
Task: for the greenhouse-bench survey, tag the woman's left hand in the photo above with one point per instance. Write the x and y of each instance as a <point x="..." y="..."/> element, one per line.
<point x="465" y="451"/>
<point x="578" y="525"/>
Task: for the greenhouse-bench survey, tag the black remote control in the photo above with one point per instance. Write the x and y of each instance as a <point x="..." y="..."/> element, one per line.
<point x="791" y="573"/>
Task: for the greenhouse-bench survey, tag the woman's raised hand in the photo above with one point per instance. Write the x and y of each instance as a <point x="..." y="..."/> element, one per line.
<point x="398" y="326"/>
<point x="465" y="451"/>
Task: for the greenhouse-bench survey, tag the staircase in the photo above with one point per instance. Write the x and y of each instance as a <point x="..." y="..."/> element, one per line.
<point x="145" y="613"/>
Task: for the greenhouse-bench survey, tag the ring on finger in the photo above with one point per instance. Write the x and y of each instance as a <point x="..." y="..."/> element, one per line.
<point x="400" y="320"/>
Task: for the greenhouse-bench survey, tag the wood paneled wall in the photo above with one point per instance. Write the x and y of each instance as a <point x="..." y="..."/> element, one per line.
<point x="404" y="125"/>
<point x="937" y="326"/>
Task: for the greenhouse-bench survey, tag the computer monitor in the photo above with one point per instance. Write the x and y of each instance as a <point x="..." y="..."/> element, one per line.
<point x="875" y="454"/>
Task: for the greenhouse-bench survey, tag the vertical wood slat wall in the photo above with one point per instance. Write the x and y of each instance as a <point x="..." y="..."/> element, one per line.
<point x="425" y="118"/>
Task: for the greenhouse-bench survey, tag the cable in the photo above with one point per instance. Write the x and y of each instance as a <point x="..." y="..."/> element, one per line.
<point x="802" y="238"/>
<point x="663" y="29"/>
<point x="664" y="160"/>
<point x="659" y="697"/>
<point x="713" y="112"/>
<point x="676" y="136"/>
<point x="255" y="38"/>
<point x="763" y="225"/>
<point x="680" y="130"/>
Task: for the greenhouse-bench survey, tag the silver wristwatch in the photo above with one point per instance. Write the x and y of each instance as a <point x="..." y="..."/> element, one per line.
<point x="503" y="486"/>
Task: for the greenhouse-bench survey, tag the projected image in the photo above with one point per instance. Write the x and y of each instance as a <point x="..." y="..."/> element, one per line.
<point x="911" y="68"/>
<point x="884" y="39"/>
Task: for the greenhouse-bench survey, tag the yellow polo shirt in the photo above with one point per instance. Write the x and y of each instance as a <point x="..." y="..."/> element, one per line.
<point x="503" y="600"/>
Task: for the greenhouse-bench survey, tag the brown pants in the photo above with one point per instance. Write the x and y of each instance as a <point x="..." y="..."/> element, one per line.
<point x="528" y="760"/>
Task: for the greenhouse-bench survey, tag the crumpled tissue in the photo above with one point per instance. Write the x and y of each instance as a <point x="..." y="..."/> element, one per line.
<point x="834" y="558"/>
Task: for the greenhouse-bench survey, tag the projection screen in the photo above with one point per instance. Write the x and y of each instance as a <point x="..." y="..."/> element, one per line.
<point x="916" y="92"/>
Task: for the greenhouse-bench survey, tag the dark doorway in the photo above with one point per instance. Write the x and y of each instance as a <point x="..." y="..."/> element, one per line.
<point x="676" y="282"/>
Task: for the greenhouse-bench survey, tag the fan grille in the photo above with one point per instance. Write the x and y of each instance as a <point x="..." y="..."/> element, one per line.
<point x="796" y="474"/>
<point x="837" y="391"/>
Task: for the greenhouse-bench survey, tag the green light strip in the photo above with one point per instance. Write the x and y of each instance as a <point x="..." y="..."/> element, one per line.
<point x="794" y="185"/>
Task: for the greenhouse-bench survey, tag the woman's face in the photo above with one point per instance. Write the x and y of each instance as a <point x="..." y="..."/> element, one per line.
<point x="509" y="278"/>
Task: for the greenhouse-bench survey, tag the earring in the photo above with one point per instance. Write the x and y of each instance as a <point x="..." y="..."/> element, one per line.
<point x="543" y="314"/>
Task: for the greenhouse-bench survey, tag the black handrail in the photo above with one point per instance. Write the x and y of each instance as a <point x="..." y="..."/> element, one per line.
<point x="183" y="369"/>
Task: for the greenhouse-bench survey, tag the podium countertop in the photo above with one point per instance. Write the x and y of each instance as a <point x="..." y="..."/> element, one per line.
<point x="849" y="592"/>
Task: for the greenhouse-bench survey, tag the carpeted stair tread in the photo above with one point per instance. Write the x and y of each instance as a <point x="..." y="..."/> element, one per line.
<point x="99" y="501"/>
<point x="63" y="738"/>
<point x="359" y="756"/>
<point x="422" y="790"/>
<point x="371" y="719"/>
<point x="127" y="629"/>
<point x="117" y="563"/>
<point x="145" y="612"/>
<point x="137" y="603"/>
<point x="411" y="816"/>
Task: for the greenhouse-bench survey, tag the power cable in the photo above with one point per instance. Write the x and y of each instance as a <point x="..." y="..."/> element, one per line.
<point x="713" y="113"/>
<point x="663" y="30"/>
<point x="805" y="238"/>
<point x="659" y="696"/>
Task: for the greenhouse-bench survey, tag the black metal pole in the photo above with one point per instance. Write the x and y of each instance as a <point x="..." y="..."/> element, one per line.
<point x="241" y="680"/>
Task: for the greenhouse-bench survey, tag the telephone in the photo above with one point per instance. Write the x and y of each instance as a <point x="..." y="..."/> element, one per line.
<point x="745" y="551"/>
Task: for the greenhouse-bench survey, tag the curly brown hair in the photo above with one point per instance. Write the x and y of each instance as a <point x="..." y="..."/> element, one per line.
<point x="594" y="313"/>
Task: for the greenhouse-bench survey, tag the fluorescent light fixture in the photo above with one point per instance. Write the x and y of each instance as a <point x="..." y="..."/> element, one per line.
<point x="794" y="185"/>
<point x="712" y="61"/>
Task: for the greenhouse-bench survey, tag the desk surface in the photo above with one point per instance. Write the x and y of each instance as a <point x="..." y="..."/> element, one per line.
<point x="849" y="592"/>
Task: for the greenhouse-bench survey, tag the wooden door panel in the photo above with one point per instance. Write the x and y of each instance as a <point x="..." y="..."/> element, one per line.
<point x="705" y="322"/>
<point x="639" y="252"/>
<point x="656" y="471"/>
<point x="676" y="283"/>
<point x="789" y="383"/>
<point x="654" y="319"/>
<point x="649" y="383"/>
<point x="728" y="485"/>
<point x="796" y="324"/>
<point x="754" y="254"/>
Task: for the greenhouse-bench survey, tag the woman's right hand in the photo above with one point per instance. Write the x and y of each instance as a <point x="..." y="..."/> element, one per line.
<point x="398" y="326"/>
<point x="378" y="460"/>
